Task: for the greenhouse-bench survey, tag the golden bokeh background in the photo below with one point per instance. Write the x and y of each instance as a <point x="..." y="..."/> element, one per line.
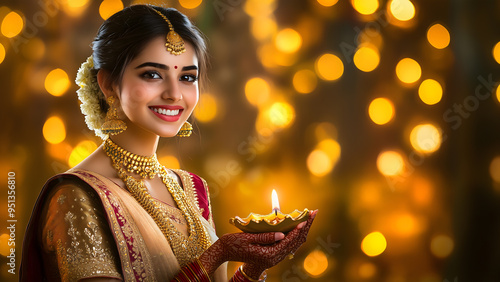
<point x="383" y="115"/>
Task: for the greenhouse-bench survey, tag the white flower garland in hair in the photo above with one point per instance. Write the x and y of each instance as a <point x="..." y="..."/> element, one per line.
<point x="88" y="94"/>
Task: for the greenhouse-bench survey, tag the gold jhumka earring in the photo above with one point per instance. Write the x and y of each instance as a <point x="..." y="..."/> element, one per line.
<point x="113" y="125"/>
<point x="185" y="130"/>
<point x="175" y="44"/>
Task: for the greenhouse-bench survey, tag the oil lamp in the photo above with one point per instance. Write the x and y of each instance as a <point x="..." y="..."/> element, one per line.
<point x="276" y="221"/>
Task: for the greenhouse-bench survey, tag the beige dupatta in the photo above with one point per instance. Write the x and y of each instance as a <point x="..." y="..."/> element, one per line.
<point x="145" y="253"/>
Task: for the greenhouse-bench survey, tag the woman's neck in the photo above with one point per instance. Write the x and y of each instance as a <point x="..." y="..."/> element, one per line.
<point x="139" y="144"/>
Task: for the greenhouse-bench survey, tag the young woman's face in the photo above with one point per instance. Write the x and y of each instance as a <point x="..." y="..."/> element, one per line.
<point x="159" y="90"/>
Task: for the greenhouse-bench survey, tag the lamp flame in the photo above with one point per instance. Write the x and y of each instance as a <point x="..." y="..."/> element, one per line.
<point x="276" y="203"/>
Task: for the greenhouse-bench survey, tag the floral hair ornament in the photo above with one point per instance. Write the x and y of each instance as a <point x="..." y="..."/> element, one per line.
<point x="175" y="44"/>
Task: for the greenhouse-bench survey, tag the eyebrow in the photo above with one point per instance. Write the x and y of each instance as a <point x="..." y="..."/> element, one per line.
<point x="164" y="67"/>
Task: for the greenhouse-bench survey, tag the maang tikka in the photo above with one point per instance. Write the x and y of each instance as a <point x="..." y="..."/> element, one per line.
<point x="113" y="125"/>
<point x="175" y="43"/>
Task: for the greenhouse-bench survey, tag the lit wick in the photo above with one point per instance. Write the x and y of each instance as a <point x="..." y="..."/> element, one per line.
<point x="276" y="203"/>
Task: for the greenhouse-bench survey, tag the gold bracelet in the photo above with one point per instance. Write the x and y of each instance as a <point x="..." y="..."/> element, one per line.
<point x="251" y="279"/>
<point x="203" y="269"/>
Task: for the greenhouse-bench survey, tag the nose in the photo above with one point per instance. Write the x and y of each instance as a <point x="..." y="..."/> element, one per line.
<point x="172" y="90"/>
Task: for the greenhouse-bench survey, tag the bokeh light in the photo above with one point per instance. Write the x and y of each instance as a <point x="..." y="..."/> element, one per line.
<point x="34" y="49"/>
<point x="281" y="114"/>
<point x="442" y="246"/>
<point x="257" y="91"/>
<point x="207" y="108"/>
<point x="374" y="244"/>
<point x="425" y="138"/>
<point x="438" y="36"/>
<point x="109" y="7"/>
<point x="2" y="53"/>
<point x="170" y="161"/>
<point x="4" y="245"/>
<point x="366" y="58"/>
<point x="259" y="8"/>
<point x="327" y="3"/>
<point x="403" y="10"/>
<point x="381" y="111"/>
<point x="316" y="263"/>
<point x="495" y="169"/>
<point x="365" y="7"/>
<point x="57" y="82"/>
<point x="390" y="163"/>
<point x="263" y="28"/>
<point x="81" y="151"/>
<point x="54" y="130"/>
<point x="190" y="4"/>
<point x="329" y="67"/>
<point x="408" y="70"/>
<point x="288" y="40"/>
<point x="318" y="163"/>
<point x="498" y="93"/>
<point x="12" y="24"/>
<point x="496" y="52"/>
<point x="305" y="81"/>
<point x="405" y="224"/>
<point x="367" y="270"/>
<point x="430" y="91"/>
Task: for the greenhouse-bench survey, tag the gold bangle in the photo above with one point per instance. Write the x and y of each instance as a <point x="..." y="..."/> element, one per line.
<point x="251" y="279"/>
<point x="203" y="269"/>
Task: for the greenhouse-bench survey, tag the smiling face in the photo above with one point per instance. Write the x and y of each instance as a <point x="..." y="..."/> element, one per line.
<point x="159" y="90"/>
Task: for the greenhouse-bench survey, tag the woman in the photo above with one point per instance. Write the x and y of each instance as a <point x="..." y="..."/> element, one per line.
<point x="119" y="214"/>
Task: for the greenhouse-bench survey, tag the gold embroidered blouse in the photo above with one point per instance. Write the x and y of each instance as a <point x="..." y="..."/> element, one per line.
<point x="75" y="238"/>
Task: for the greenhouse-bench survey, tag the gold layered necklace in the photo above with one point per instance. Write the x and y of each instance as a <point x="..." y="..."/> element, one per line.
<point x="127" y="163"/>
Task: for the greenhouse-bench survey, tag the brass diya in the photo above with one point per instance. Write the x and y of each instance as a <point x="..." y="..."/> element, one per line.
<point x="273" y="222"/>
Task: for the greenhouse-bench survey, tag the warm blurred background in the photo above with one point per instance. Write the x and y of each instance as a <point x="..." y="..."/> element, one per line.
<point x="383" y="115"/>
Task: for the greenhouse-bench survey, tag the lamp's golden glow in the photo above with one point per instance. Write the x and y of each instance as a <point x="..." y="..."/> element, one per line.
<point x="381" y="111"/>
<point x="425" y="138"/>
<point x="4" y="245"/>
<point x="12" y="24"/>
<point x="430" y="91"/>
<point x="288" y="40"/>
<point x="496" y="52"/>
<point x="207" y="108"/>
<point x="442" y="246"/>
<point x="54" y="130"/>
<point x="402" y="10"/>
<point x="305" y="81"/>
<point x="57" y="82"/>
<point x="498" y="93"/>
<point x="366" y="58"/>
<point x="259" y="8"/>
<point x="316" y="263"/>
<point x="257" y="91"/>
<point x="374" y="244"/>
<point x="109" y="7"/>
<point x="329" y="67"/>
<point x="190" y="4"/>
<point x="390" y="163"/>
<point x="365" y="7"/>
<point x="438" y="36"/>
<point x="408" y="70"/>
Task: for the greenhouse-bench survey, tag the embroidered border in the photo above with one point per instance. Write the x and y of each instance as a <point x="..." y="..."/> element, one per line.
<point x="135" y="258"/>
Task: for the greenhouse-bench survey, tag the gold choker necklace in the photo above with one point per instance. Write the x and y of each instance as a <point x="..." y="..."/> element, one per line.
<point x="148" y="167"/>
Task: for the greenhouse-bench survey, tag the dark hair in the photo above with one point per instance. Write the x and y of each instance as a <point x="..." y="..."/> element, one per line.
<point x="125" y="34"/>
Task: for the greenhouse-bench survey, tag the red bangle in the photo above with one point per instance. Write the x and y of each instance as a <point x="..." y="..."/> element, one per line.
<point x="192" y="272"/>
